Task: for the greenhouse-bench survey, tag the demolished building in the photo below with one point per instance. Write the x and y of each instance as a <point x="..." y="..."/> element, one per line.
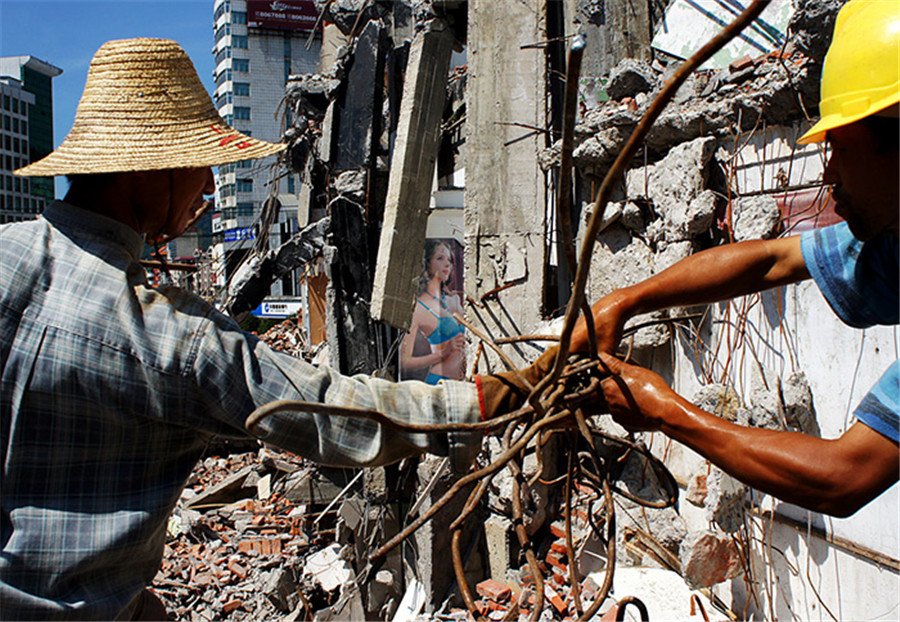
<point x="375" y="129"/>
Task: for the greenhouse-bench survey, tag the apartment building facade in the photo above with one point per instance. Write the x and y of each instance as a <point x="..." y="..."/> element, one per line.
<point x="258" y="44"/>
<point x="26" y="134"/>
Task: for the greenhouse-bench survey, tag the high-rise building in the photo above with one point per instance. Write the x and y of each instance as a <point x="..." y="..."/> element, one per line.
<point x="258" y="44"/>
<point x="26" y="134"/>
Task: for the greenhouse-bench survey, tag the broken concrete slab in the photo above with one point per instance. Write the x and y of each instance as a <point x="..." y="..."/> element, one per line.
<point x="240" y="485"/>
<point x="718" y="399"/>
<point x="799" y="412"/>
<point x="411" y="175"/>
<point x="755" y="217"/>
<point x="725" y="500"/>
<point x="360" y="106"/>
<point x="328" y="569"/>
<point x="630" y="77"/>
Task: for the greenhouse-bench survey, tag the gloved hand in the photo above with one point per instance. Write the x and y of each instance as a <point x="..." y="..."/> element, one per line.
<point x="501" y="393"/>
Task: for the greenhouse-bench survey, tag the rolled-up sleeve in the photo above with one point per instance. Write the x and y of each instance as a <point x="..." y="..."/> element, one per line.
<point x="235" y="373"/>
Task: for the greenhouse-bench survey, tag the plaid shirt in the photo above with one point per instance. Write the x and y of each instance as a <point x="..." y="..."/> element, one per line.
<point x="860" y="282"/>
<point x="110" y="391"/>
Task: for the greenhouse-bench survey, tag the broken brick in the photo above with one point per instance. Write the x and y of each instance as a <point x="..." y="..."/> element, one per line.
<point x="232" y="605"/>
<point x="742" y="63"/>
<point x="493" y="590"/>
<point x="238" y="570"/>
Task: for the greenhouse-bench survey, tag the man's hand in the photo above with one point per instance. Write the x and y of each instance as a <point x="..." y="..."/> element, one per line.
<point x="636" y="397"/>
<point x="501" y="393"/>
<point x="609" y="315"/>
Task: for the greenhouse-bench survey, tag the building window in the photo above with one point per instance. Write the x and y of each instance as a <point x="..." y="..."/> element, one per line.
<point x="15" y="107"/>
<point x="221" y="10"/>
<point x="16" y="126"/>
<point x="242" y="88"/>
<point x="6" y="102"/>
<point x="221" y="32"/>
<point x="223" y="54"/>
<point x="239" y="17"/>
<point x="224" y="76"/>
<point x="18" y="185"/>
<point x="245" y="163"/>
<point x="242" y="113"/>
<point x="291" y="187"/>
<point x="7" y="143"/>
<point x="6" y="124"/>
<point x="239" y="41"/>
<point x="25" y="185"/>
<point x="227" y="190"/>
<point x="240" y="64"/>
<point x="24" y="126"/>
<point x="245" y="185"/>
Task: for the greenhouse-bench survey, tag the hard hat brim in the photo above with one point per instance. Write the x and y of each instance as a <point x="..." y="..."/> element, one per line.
<point x="817" y="132"/>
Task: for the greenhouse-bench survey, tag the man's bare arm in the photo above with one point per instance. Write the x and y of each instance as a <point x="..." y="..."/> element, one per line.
<point x="836" y="476"/>
<point x="712" y="275"/>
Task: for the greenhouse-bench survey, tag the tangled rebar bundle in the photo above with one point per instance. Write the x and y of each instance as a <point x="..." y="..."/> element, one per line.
<point x="557" y="404"/>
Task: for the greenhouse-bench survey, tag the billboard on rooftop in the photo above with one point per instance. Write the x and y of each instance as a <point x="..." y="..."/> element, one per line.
<point x="282" y="14"/>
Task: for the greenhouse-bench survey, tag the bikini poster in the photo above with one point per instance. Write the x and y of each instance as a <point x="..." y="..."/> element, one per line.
<point x="435" y="346"/>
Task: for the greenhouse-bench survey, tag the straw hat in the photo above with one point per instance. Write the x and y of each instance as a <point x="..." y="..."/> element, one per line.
<point x="144" y="108"/>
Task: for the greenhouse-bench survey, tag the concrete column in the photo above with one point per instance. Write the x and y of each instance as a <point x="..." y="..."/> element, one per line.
<point x="505" y="187"/>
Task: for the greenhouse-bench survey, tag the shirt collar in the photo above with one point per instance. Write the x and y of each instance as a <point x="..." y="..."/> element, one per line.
<point x="66" y="215"/>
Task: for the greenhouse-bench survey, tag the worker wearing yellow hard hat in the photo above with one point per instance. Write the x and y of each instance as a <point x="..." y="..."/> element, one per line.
<point x="861" y="76"/>
<point x="855" y="265"/>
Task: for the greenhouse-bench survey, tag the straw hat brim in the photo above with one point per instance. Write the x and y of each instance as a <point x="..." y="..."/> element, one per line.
<point x="144" y="108"/>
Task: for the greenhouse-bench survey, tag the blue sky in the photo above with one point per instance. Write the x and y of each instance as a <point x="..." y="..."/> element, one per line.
<point x="66" y="33"/>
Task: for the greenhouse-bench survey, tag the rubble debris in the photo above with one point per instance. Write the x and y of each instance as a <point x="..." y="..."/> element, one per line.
<point x="774" y="88"/>
<point x="254" y="278"/>
<point x="708" y="557"/>
<point x="798" y="404"/>
<point x="630" y="77"/>
<point x="755" y="218"/>
<point x="289" y="336"/>
<point x="347" y="14"/>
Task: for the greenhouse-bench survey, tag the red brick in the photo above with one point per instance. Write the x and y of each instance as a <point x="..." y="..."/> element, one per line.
<point x="558" y="602"/>
<point x="556" y="562"/>
<point x="238" y="570"/>
<point x="742" y="63"/>
<point x="559" y="547"/>
<point x="558" y="530"/>
<point x="232" y="605"/>
<point x="266" y="546"/>
<point x="494" y="590"/>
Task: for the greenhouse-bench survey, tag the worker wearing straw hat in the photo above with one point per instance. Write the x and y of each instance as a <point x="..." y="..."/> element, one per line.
<point x="854" y="264"/>
<point x="111" y="389"/>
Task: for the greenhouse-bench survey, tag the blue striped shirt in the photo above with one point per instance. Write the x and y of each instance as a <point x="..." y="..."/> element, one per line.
<point x="110" y="390"/>
<point x="860" y="281"/>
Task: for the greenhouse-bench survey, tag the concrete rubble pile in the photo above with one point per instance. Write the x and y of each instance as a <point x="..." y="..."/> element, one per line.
<point x="289" y="336"/>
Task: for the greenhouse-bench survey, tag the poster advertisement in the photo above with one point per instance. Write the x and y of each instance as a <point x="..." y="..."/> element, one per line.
<point x="435" y="346"/>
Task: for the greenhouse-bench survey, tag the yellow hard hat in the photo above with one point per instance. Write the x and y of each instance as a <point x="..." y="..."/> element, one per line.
<point x="861" y="74"/>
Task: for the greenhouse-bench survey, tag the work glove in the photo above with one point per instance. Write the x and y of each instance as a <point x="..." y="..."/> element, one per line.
<point x="501" y="393"/>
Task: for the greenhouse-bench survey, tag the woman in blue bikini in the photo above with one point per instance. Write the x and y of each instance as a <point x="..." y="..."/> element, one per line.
<point x="433" y="322"/>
